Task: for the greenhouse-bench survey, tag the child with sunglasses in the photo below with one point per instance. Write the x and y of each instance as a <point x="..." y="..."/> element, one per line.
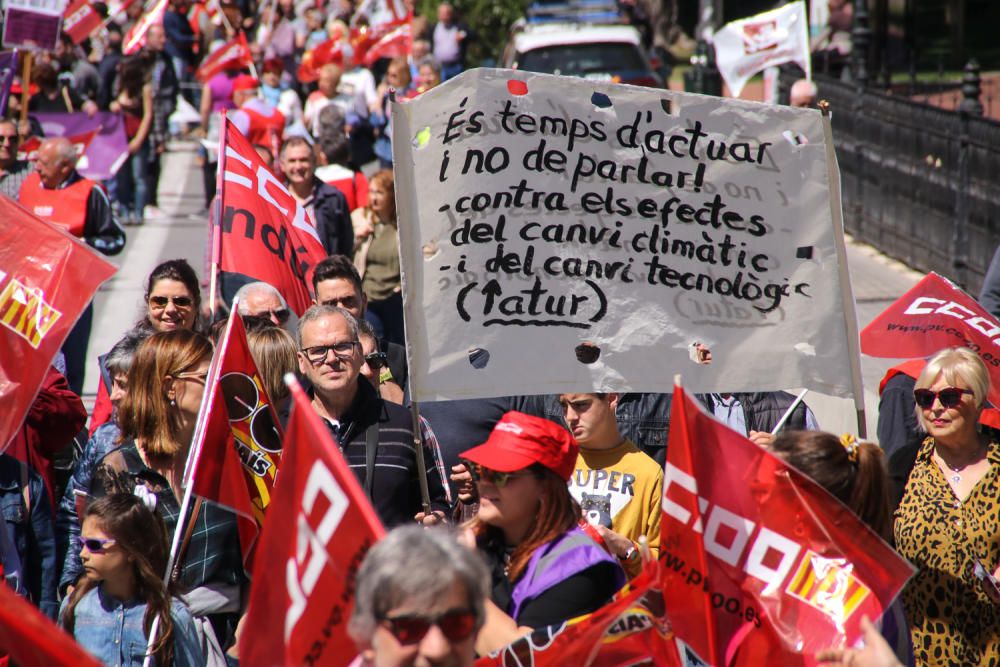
<point x="545" y="570"/>
<point x="123" y="546"/>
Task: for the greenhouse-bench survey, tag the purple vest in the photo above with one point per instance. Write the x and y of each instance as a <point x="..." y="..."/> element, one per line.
<point x="567" y="555"/>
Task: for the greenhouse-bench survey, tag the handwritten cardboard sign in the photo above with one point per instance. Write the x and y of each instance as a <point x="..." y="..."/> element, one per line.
<point x="562" y="235"/>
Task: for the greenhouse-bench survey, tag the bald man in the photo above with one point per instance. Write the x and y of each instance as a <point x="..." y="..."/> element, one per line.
<point x="56" y="192"/>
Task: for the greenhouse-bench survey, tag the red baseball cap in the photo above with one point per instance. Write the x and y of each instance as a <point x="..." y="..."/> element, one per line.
<point x="519" y="440"/>
<point x="245" y="82"/>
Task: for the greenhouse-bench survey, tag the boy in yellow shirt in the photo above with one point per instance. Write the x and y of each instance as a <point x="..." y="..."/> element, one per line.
<point x="618" y="487"/>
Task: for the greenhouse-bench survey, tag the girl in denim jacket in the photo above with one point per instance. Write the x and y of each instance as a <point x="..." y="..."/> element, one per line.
<point x="123" y="546"/>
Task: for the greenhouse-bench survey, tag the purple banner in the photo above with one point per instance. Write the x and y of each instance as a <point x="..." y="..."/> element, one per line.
<point x="8" y="68"/>
<point x="107" y="151"/>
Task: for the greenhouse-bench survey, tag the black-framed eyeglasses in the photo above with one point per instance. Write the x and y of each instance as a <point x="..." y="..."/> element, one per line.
<point x="160" y="302"/>
<point x="495" y="477"/>
<point x="317" y="353"/>
<point x="950" y="397"/>
<point x="377" y="360"/>
<point x="93" y="544"/>
<point x="455" y="625"/>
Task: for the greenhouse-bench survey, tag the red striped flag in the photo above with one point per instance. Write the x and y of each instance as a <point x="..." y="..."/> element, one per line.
<point x="135" y="38"/>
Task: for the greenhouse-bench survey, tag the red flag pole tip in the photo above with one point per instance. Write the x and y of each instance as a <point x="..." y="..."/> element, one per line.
<point x="677" y="380"/>
<point x="290" y="380"/>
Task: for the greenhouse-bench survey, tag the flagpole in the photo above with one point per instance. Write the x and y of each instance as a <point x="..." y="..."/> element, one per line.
<point x="788" y="412"/>
<point x="418" y="444"/>
<point x="216" y="213"/>
<point x="846" y="293"/>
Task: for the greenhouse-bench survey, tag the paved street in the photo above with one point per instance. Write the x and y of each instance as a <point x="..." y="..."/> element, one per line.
<point x="877" y="280"/>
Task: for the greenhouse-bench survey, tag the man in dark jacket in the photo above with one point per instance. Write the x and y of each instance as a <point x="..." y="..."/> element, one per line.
<point x="325" y="204"/>
<point x="375" y="436"/>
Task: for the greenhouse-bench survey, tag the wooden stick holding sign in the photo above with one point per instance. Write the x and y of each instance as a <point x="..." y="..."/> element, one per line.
<point x="25" y="85"/>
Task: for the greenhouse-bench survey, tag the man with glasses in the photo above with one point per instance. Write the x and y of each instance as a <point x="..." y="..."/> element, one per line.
<point x="260" y="299"/>
<point x="336" y="282"/>
<point x="375" y="436"/>
<point x="12" y="171"/>
<point x="56" y="192"/>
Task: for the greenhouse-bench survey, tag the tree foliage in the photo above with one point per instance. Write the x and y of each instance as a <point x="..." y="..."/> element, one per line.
<point x="490" y="19"/>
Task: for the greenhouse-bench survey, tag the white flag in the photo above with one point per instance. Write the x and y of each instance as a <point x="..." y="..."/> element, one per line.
<point x="747" y="46"/>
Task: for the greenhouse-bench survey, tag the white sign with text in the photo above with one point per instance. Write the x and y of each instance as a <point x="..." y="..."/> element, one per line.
<point x="562" y="235"/>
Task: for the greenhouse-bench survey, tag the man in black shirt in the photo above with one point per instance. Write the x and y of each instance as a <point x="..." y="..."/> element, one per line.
<point x="375" y="436"/>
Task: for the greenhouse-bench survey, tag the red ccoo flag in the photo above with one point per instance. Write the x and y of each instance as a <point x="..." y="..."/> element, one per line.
<point x="240" y="449"/>
<point x="393" y="42"/>
<point x="629" y="630"/>
<point x="760" y="559"/>
<point x="32" y="640"/>
<point x="235" y="54"/>
<point x="265" y="233"/>
<point x="933" y="315"/>
<point x="47" y="278"/>
<point x="79" y="20"/>
<point x="318" y="530"/>
<point x="135" y="38"/>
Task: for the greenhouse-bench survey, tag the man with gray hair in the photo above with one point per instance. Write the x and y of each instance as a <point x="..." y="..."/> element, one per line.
<point x="56" y="192"/>
<point x="260" y="299"/>
<point x="409" y="613"/>
<point x="375" y="436"/>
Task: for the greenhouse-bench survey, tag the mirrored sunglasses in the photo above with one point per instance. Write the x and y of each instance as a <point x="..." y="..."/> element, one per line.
<point x="455" y="625"/>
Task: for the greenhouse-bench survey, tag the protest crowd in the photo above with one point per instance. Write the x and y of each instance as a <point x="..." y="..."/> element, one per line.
<point x="461" y="526"/>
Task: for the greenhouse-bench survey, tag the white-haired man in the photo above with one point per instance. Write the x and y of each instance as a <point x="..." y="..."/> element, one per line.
<point x="260" y="299"/>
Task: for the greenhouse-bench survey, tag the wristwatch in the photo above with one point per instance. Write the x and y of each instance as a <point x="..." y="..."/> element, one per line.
<point x="631" y="555"/>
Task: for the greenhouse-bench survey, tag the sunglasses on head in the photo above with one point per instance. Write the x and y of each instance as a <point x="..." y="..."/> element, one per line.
<point x="93" y="544"/>
<point x="455" y="625"/>
<point x="494" y="477"/>
<point x="178" y="301"/>
<point x="950" y="397"/>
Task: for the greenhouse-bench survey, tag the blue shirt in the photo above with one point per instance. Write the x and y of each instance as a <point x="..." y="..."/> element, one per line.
<point x="112" y="631"/>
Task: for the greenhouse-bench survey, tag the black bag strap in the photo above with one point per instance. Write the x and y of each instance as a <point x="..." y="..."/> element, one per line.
<point x="371" y="446"/>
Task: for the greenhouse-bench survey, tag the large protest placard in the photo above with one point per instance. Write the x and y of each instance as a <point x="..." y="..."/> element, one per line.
<point x="561" y="235"/>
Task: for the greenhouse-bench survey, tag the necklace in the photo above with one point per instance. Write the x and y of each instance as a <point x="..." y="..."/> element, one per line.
<point x="956" y="476"/>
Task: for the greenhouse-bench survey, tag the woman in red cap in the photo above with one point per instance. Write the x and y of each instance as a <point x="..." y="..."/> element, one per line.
<point x="545" y="570"/>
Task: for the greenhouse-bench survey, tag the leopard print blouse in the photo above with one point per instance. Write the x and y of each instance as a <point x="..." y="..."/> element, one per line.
<point x="952" y="621"/>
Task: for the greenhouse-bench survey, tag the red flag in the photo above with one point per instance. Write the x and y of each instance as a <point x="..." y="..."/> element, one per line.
<point x="396" y="42"/>
<point x="81" y="142"/>
<point x="32" y="640"/>
<point x="933" y="315"/>
<point x="79" y="20"/>
<point x="631" y="629"/>
<point x="135" y="38"/>
<point x="318" y="530"/>
<point x="330" y="51"/>
<point x="756" y="554"/>
<point x="47" y="278"/>
<point x="266" y="234"/>
<point x="235" y="54"/>
<point x="366" y="37"/>
<point x="240" y="450"/>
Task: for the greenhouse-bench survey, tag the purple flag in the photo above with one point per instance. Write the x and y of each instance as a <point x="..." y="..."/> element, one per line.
<point x="8" y="68"/>
<point x="106" y="152"/>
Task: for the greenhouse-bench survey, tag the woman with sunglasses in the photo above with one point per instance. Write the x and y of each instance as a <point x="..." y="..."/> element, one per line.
<point x="408" y="613"/>
<point x="948" y="523"/>
<point x="157" y="419"/>
<point x="544" y="569"/>
<point x="124" y="548"/>
<point x="172" y="301"/>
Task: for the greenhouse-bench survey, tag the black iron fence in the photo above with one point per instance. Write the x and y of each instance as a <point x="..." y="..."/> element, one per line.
<point x="920" y="183"/>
